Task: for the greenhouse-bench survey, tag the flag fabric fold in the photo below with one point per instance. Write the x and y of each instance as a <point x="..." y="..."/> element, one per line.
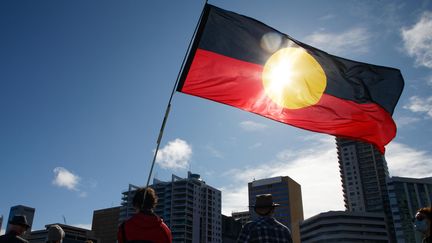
<point x="241" y="62"/>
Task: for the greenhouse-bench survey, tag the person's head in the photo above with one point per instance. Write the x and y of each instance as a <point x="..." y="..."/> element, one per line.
<point x="148" y="203"/>
<point x="19" y="224"/>
<point x="423" y="221"/>
<point x="264" y="205"/>
<point x="55" y="234"/>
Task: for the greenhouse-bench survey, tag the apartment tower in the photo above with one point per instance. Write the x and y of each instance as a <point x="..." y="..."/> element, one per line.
<point x="364" y="176"/>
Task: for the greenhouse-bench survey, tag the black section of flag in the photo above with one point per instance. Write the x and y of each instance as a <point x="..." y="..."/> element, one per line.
<point x="241" y="37"/>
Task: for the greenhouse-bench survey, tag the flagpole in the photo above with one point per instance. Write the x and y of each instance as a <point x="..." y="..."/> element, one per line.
<point x="168" y="108"/>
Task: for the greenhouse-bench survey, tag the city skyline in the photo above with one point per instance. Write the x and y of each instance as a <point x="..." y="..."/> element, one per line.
<point x="84" y="87"/>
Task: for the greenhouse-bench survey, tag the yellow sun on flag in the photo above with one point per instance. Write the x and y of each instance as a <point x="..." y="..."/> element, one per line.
<point x="293" y="79"/>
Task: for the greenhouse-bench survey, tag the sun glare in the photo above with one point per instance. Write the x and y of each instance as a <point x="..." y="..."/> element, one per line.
<point x="293" y="78"/>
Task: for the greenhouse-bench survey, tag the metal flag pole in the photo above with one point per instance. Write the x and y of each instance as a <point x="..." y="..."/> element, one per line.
<point x="170" y="99"/>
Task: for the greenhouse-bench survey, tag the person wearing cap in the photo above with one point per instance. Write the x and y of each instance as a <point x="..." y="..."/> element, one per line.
<point x="265" y="229"/>
<point x="145" y="225"/>
<point x="17" y="227"/>
<point x="55" y="234"/>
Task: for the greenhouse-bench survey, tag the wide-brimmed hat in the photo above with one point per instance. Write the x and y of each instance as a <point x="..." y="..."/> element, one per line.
<point x="264" y="201"/>
<point x="19" y="220"/>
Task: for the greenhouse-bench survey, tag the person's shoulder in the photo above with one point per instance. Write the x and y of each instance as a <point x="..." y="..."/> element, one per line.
<point x="165" y="227"/>
<point x="134" y="219"/>
<point x="279" y="223"/>
<point x="250" y="225"/>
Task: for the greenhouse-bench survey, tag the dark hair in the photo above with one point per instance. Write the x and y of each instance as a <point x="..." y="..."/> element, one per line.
<point x="150" y="198"/>
<point x="427" y="211"/>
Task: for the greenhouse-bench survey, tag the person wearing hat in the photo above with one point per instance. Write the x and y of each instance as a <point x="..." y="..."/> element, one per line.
<point x="55" y="234"/>
<point x="17" y="227"/>
<point x="265" y="229"/>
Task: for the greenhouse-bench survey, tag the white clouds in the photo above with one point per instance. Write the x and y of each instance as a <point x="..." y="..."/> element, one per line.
<point x="65" y="178"/>
<point x="255" y="145"/>
<point x="234" y="199"/>
<point x="405" y="161"/>
<point x="314" y="168"/>
<point x="418" y="40"/>
<point x="327" y="17"/>
<point x="213" y="151"/>
<point x="175" y="155"/>
<point x="251" y="126"/>
<point x="406" y="120"/>
<point x="355" y="40"/>
<point x="420" y="105"/>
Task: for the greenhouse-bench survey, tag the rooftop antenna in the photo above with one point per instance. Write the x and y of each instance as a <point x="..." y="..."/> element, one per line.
<point x="64" y="219"/>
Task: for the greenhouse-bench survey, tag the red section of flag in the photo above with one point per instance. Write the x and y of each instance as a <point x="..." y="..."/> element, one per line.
<point x="239" y="84"/>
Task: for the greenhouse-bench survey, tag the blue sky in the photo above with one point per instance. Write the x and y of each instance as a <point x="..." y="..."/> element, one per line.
<point x="84" y="86"/>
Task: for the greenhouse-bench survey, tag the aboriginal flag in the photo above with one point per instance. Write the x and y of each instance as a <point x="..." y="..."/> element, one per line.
<point x="241" y="62"/>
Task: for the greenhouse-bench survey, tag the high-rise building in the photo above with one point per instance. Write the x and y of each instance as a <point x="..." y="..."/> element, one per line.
<point x="22" y="210"/>
<point x="190" y="208"/>
<point x="287" y="193"/>
<point x="407" y="195"/>
<point x="364" y="176"/>
<point x="1" y="222"/>
<point x="105" y="224"/>
<point x="345" y="227"/>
